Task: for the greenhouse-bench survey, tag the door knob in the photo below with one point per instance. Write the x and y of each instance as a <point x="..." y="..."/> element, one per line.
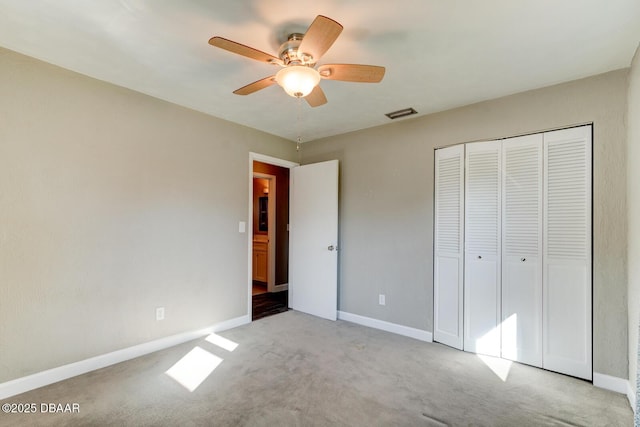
<point x="331" y="247"/>
<point x="523" y="259"/>
<point x="479" y="256"/>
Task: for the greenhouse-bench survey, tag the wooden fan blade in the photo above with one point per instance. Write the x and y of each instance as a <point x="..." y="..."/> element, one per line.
<point x="316" y="98"/>
<point x="352" y="72"/>
<point x="256" y="86"/>
<point x="243" y="50"/>
<point x="319" y="37"/>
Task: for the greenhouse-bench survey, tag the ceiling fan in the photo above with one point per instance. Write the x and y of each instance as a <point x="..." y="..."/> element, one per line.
<point x="298" y="57"/>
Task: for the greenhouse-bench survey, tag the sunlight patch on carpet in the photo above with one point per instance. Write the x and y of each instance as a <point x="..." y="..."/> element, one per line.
<point x="500" y="367"/>
<point x="501" y="340"/>
<point x="194" y="368"/>
<point x="222" y="342"/>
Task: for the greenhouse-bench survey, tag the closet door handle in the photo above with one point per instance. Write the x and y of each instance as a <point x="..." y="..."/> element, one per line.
<point x="523" y="259"/>
<point x="479" y="256"/>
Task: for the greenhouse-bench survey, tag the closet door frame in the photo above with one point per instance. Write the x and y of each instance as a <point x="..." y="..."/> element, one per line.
<point x="567" y="279"/>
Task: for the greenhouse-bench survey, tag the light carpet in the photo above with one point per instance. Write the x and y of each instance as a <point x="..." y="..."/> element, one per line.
<point x="292" y="369"/>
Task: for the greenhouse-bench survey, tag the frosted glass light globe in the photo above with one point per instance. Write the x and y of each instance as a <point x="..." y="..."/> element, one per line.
<point x="298" y="80"/>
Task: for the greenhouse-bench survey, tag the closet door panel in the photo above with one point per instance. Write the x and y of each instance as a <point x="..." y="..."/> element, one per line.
<point x="482" y="249"/>
<point x="565" y="347"/>
<point x="448" y="246"/>
<point x="522" y="249"/>
<point x="567" y="252"/>
<point x="522" y="318"/>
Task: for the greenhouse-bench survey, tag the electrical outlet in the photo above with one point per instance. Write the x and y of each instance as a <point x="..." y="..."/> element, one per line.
<point x="160" y="313"/>
<point x="381" y="299"/>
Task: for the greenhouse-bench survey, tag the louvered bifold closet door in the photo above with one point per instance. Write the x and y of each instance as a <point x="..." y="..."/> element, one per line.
<point x="522" y="249"/>
<point x="567" y="252"/>
<point x="448" y="241"/>
<point x="482" y="248"/>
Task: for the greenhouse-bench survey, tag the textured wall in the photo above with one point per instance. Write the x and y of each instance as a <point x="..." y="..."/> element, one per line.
<point x="386" y="196"/>
<point x="633" y="202"/>
<point x="113" y="203"/>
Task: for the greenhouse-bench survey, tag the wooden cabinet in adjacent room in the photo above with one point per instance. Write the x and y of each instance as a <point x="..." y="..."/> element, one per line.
<point x="261" y="260"/>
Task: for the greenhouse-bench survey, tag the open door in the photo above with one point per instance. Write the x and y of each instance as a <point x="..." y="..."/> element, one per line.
<point x="313" y="239"/>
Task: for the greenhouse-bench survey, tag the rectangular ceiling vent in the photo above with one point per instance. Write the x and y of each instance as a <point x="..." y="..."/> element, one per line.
<point x="401" y="113"/>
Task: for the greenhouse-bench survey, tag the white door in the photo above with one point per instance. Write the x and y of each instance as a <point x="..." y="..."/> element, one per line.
<point x="522" y="249"/>
<point x="313" y="239"/>
<point x="448" y="268"/>
<point x="482" y="248"/>
<point x="567" y="252"/>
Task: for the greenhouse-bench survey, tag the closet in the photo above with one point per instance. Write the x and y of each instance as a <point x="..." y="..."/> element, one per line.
<point x="512" y="249"/>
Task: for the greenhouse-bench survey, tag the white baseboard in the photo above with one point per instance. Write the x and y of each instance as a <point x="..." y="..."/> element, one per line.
<point x="407" y="331"/>
<point x="50" y="376"/>
<point x="631" y="395"/>
<point x="619" y="385"/>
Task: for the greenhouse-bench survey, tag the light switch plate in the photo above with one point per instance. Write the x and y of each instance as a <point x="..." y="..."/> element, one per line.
<point x="242" y="227"/>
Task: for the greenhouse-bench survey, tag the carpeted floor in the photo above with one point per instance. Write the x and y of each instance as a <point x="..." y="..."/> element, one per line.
<point x="293" y="369"/>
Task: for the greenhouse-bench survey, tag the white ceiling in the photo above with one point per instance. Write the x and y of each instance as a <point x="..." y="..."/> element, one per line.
<point x="439" y="54"/>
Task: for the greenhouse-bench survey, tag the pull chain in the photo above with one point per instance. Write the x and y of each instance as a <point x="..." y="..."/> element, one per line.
<point x="299" y="127"/>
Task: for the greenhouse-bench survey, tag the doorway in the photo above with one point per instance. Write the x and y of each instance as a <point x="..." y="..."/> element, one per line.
<point x="269" y="239"/>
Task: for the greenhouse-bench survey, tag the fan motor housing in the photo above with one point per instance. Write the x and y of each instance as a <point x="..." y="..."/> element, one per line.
<point x="290" y="54"/>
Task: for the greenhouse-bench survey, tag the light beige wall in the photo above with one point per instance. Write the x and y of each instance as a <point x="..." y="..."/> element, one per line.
<point x="113" y="203"/>
<point x="633" y="213"/>
<point x="386" y="196"/>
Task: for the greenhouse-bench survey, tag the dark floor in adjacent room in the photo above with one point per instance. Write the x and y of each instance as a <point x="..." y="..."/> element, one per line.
<point x="267" y="303"/>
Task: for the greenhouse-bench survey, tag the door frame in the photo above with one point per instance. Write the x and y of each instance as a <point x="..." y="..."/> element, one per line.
<point x="275" y="162"/>
<point x="271" y="233"/>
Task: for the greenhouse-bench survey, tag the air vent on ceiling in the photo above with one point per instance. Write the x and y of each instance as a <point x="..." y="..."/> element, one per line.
<point x="401" y="113"/>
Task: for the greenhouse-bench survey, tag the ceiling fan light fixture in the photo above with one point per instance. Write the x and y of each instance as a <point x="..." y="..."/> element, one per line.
<point x="298" y="57"/>
<point x="298" y="80"/>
